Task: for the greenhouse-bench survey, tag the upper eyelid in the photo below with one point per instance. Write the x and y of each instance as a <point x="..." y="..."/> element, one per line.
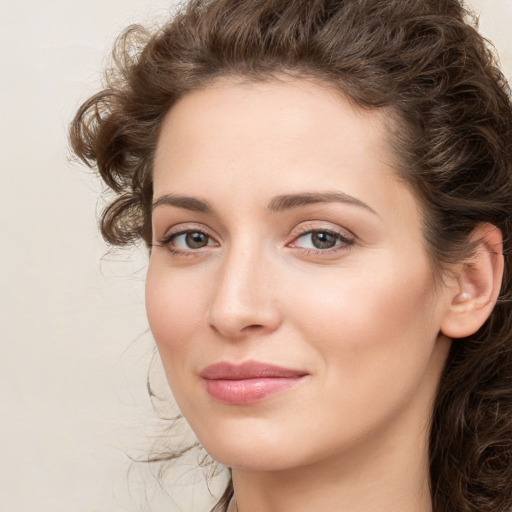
<point x="318" y="225"/>
<point x="341" y="236"/>
<point x="184" y="227"/>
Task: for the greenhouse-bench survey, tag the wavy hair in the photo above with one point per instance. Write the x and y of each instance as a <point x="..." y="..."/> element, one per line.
<point x="422" y="60"/>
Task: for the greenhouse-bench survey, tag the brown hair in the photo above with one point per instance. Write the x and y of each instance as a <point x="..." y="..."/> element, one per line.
<point x="421" y="59"/>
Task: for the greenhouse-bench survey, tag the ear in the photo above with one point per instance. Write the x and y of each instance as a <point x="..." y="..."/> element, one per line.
<point x="476" y="285"/>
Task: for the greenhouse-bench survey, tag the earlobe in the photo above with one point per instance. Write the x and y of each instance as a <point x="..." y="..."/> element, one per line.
<point x="477" y="285"/>
<point x="461" y="298"/>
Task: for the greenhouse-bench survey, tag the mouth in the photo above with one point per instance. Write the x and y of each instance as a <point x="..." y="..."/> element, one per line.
<point x="248" y="382"/>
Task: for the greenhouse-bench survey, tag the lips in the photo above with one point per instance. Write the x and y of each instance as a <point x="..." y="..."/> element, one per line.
<point x="248" y="382"/>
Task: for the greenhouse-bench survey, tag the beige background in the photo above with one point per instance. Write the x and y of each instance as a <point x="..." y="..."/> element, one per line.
<point x="75" y="350"/>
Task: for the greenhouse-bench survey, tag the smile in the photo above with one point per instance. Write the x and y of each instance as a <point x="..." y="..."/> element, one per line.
<point x="249" y="382"/>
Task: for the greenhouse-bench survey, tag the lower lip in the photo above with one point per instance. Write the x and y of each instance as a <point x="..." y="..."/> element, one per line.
<point x="248" y="391"/>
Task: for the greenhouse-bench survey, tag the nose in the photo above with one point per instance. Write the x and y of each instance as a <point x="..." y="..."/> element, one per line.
<point x="245" y="299"/>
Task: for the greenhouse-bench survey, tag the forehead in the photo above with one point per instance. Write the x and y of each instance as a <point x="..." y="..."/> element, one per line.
<point x="291" y="117"/>
<point x="259" y="138"/>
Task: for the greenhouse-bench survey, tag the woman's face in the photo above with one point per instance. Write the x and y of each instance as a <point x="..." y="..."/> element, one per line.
<point x="288" y="290"/>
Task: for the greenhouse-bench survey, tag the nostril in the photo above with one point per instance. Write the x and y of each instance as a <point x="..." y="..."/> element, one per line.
<point x="253" y="327"/>
<point x="235" y="332"/>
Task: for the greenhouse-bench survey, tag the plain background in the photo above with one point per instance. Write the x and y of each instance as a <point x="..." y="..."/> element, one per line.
<point x="75" y="346"/>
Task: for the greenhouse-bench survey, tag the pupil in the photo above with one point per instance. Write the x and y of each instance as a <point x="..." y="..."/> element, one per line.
<point x="323" y="240"/>
<point x="196" y="240"/>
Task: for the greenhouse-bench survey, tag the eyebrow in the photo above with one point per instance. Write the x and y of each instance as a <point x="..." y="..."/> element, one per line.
<point x="188" y="203"/>
<point x="277" y="204"/>
<point x="289" y="201"/>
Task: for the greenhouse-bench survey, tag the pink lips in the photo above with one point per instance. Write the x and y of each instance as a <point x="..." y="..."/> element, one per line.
<point x="248" y="382"/>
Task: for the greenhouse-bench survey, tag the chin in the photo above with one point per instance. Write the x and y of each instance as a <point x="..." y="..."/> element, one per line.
<point x="249" y="448"/>
<point x="264" y="449"/>
<point x="255" y="459"/>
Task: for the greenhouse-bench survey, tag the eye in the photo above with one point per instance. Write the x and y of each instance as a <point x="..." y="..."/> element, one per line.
<point x="187" y="241"/>
<point x="321" y="240"/>
<point x="191" y="240"/>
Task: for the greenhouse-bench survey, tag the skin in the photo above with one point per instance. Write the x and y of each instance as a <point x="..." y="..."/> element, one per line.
<point x="363" y="318"/>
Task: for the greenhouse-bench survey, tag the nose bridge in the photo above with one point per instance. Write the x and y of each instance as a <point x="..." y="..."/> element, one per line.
<point x="243" y="300"/>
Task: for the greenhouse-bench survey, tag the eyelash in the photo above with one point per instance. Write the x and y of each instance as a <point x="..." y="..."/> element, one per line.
<point x="166" y="242"/>
<point x="345" y="242"/>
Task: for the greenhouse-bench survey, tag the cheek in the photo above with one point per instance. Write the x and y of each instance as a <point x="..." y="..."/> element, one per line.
<point x="174" y="305"/>
<point x="361" y="300"/>
<point x="374" y="335"/>
<point x="369" y="323"/>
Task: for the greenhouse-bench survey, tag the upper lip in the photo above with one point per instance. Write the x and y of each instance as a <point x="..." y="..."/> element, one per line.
<point x="247" y="370"/>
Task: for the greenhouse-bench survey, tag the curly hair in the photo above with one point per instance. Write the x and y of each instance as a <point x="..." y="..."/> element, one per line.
<point x="425" y="62"/>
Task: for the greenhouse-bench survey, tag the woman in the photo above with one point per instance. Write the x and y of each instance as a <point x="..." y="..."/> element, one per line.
<point x="325" y="188"/>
